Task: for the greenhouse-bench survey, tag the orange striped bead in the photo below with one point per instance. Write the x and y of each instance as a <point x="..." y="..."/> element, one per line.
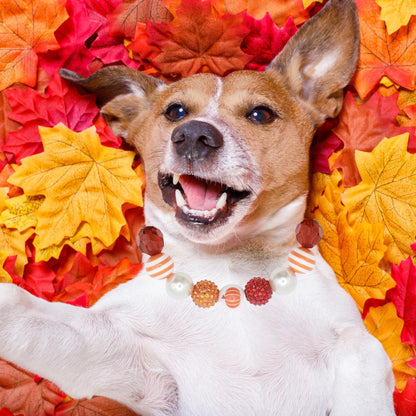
<point x="231" y="295"/>
<point x="301" y="260"/>
<point x="159" y="266"/>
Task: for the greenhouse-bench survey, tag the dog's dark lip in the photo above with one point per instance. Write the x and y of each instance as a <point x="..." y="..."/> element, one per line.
<point x="168" y="189"/>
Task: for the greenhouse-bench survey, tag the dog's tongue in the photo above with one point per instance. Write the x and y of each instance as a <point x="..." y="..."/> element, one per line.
<point x="200" y="195"/>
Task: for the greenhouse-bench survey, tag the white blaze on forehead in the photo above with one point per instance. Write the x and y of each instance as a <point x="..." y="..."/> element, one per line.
<point x="212" y="109"/>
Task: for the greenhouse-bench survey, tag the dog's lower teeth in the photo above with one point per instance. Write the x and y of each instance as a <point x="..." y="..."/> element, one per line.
<point x="180" y="201"/>
<point x="198" y="213"/>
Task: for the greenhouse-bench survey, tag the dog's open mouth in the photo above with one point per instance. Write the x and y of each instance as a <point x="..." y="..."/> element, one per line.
<point x="198" y="200"/>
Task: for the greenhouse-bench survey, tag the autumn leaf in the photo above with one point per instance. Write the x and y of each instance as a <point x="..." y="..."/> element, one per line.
<point x="82" y="181"/>
<point x="279" y="10"/>
<point x="124" y="18"/>
<point x="32" y="109"/>
<point x="386" y="326"/>
<point x="353" y="252"/>
<point x="362" y="127"/>
<point x="381" y="54"/>
<point x="26" y="29"/>
<point x="307" y="3"/>
<point x="403" y="297"/>
<point x="97" y="406"/>
<point x="72" y="37"/>
<point x="95" y="281"/>
<point x="199" y="42"/>
<point x="265" y="40"/>
<point x="387" y="194"/>
<point x="405" y="401"/>
<point x="21" y="212"/>
<point x="4" y="275"/>
<point x="396" y="14"/>
<point x="13" y="243"/>
<point x="21" y="394"/>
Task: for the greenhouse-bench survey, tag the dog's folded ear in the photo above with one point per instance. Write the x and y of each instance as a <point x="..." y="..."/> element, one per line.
<point x="122" y="93"/>
<point x="320" y="59"/>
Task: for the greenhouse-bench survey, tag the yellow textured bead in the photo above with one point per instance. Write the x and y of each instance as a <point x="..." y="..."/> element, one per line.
<point x="205" y="294"/>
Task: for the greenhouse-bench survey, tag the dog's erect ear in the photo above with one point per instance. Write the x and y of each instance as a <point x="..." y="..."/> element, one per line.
<point x="122" y="93"/>
<point x="320" y="59"/>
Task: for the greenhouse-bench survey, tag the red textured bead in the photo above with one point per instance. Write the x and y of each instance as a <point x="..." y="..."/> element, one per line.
<point x="258" y="291"/>
<point x="150" y="240"/>
<point x="309" y="233"/>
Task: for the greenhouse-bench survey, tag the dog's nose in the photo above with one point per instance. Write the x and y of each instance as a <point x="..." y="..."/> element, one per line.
<point x="195" y="139"/>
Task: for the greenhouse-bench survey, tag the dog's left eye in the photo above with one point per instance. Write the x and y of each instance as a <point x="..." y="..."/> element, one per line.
<point x="261" y="115"/>
<point x="176" y="112"/>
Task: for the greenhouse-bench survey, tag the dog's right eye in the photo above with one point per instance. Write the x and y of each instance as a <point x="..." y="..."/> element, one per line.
<point x="176" y="112"/>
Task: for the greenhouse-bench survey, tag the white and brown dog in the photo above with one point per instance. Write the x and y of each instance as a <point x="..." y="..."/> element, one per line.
<point x="226" y="162"/>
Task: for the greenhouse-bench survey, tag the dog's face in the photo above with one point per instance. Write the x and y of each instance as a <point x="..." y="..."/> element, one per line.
<point x="222" y="153"/>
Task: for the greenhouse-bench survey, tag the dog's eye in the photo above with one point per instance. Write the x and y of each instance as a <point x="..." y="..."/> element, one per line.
<point x="176" y="112"/>
<point x="261" y="115"/>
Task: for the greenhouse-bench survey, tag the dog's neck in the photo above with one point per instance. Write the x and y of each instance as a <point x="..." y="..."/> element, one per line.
<point x="272" y="237"/>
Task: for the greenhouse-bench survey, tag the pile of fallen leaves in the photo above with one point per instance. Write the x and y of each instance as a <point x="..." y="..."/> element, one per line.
<point x="63" y="238"/>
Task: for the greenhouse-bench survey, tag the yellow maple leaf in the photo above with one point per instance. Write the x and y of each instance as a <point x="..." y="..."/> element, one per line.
<point x="307" y="3"/>
<point x="386" y="326"/>
<point x="396" y="13"/>
<point x="387" y="194"/>
<point x="353" y="252"/>
<point x="82" y="182"/>
<point x="21" y="212"/>
<point x="13" y="243"/>
<point x="4" y="276"/>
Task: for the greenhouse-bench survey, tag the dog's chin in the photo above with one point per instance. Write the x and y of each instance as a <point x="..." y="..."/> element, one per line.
<point x="206" y="210"/>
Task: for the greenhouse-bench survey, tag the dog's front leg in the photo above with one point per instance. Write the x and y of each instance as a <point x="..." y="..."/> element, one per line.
<point x="83" y="351"/>
<point x="363" y="377"/>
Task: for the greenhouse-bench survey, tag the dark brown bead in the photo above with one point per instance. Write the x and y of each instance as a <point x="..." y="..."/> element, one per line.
<point x="309" y="233"/>
<point x="150" y="240"/>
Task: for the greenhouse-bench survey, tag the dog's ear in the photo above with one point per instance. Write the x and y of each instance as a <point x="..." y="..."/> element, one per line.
<point x="320" y="59"/>
<point x="122" y="93"/>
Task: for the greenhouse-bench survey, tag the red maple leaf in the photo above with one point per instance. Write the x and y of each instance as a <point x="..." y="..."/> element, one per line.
<point x="265" y="40"/>
<point x="72" y="37"/>
<point x="123" y="20"/>
<point x="404" y="298"/>
<point x="363" y="126"/>
<point x="60" y="104"/>
<point x="405" y="402"/>
<point x="198" y="42"/>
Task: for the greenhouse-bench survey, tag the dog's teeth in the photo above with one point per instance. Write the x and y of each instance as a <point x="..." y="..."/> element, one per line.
<point x="222" y="201"/>
<point x="180" y="201"/>
<point x="175" y="178"/>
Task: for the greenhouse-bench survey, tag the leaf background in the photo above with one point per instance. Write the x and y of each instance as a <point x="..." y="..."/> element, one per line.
<point x="362" y="187"/>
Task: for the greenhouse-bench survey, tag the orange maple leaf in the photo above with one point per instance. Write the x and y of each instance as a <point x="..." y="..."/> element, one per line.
<point x="381" y="54"/>
<point x="199" y="42"/>
<point x="26" y="28"/>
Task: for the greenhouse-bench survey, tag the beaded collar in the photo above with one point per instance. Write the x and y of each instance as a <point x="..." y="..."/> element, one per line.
<point x="205" y="293"/>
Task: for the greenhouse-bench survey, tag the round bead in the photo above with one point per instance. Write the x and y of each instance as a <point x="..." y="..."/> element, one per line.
<point x="179" y="286"/>
<point x="282" y="282"/>
<point x="258" y="291"/>
<point x="231" y="295"/>
<point x="301" y="260"/>
<point x="205" y="294"/>
<point x="309" y="233"/>
<point x="150" y="240"/>
<point x="159" y="266"/>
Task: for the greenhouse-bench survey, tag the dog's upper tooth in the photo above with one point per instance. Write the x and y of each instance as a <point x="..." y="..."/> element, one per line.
<point x="180" y="201"/>
<point x="222" y="201"/>
<point x="175" y="178"/>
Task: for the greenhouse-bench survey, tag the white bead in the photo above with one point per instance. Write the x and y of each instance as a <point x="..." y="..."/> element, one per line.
<point x="179" y="286"/>
<point x="282" y="282"/>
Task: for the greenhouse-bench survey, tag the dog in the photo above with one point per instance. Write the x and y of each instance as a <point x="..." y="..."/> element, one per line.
<point x="226" y="163"/>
